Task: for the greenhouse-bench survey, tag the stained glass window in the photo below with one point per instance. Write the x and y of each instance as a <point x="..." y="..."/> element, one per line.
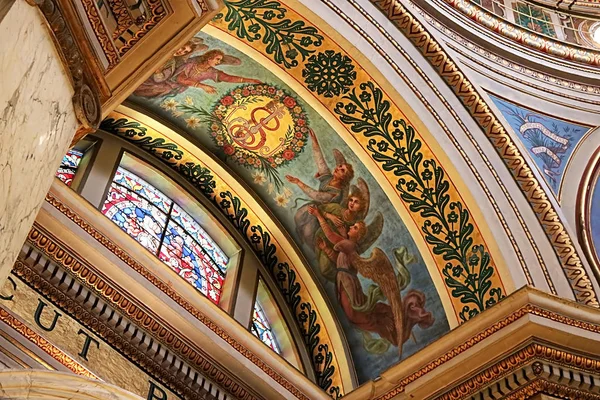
<point x="262" y="329"/>
<point x="68" y="166"/>
<point x="165" y="229"/>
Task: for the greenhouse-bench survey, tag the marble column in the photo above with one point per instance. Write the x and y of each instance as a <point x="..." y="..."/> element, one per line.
<point x="37" y="123"/>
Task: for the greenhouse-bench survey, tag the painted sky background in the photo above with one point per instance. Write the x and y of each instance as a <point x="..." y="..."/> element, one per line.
<point x="394" y="235"/>
<point x="515" y="116"/>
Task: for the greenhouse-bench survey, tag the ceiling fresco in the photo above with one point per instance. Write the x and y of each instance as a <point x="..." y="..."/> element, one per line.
<point x="355" y="241"/>
<point x="394" y="246"/>
<point x="549" y="141"/>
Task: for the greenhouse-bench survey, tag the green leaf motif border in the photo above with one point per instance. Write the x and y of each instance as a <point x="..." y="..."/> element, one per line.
<point x="422" y="185"/>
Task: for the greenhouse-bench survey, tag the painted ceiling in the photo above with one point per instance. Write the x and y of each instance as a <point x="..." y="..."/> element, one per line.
<point x="388" y="238"/>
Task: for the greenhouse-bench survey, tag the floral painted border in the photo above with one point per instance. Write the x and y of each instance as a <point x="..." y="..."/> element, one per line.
<point x="434" y="202"/>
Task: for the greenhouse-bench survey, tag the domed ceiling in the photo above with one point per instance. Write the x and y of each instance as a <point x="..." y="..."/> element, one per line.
<point x="392" y="244"/>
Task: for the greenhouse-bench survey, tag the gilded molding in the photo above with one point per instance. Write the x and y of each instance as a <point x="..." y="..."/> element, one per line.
<point x="114" y="296"/>
<point x="513" y="66"/>
<point x="551" y="388"/>
<point x="44" y="345"/>
<point x="528" y="309"/>
<point x="528" y="356"/>
<point x="86" y="100"/>
<point x="543" y="208"/>
<point x="584" y="196"/>
<point x="525" y="37"/>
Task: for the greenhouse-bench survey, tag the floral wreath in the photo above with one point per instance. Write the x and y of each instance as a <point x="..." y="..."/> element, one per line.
<point x="295" y="138"/>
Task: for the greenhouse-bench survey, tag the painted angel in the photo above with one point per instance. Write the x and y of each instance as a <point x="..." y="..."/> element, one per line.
<point x="203" y="68"/>
<point x="333" y="188"/>
<point x="160" y="83"/>
<point x="341" y="217"/>
<point x="392" y="321"/>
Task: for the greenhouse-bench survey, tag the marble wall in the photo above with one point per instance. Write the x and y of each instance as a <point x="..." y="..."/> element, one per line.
<point x="37" y="123"/>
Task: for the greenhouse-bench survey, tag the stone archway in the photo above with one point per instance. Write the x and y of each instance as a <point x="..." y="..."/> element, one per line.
<point x="27" y="384"/>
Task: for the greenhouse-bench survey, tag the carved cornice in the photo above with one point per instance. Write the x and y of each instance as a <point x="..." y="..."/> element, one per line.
<point x="113" y="295"/>
<point x="534" y="363"/>
<point x="86" y="100"/>
<point x="126" y="346"/>
<point x="526" y="310"/>
<point x="489" y="56"/>
<point x="509" y="152"/>
<point x="53" y="351"/>
<point x="523" y="36"/>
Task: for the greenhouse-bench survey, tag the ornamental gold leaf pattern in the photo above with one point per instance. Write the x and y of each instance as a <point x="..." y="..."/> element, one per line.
<point x="424" y="187"/>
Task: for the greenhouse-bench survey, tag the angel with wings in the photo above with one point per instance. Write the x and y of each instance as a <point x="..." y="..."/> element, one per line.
<point x="333" y="188"/>
<point x="341" y="217"/>
<point x="392" y="321"/>
<point x="160" y="83"/>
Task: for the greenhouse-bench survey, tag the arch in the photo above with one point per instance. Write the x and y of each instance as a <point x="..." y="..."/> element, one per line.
<point x="24" y="385"/>
<point x="325" y="342"/>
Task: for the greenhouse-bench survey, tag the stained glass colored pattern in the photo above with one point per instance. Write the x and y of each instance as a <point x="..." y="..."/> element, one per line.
<point x="165" y="229"/>
<point x="68" y="166"/>
<point x="193" y="228"/>
<point x="185" y="256"/>
<point x="262" y="329"/>
<point x="143" y="188"/>
<point x="136" y="216"/>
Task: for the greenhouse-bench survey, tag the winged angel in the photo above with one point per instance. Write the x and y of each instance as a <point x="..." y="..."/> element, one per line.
<point x="392" y="321"/>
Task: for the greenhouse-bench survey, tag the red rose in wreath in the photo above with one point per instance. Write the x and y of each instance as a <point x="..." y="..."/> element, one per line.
<point x="288" y="155"/>
<point x="229" y="149"/>
<point x="227" y="100"/>
<point x="301" y="122"/>
<point x="289" y="102"/>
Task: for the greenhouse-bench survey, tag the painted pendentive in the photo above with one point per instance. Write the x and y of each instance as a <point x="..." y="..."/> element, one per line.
<point x="549" y="141"/>
<point x="294" y="160"/>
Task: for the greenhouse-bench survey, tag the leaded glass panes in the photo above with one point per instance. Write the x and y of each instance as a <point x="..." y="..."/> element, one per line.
<point x="200" y="235"/>
<point x="262" y="329"/>
<point x="135" y="215"/>
<point x="535" y="18"/>
<point x="164" y="228"/>
<point x="68" y="166"/>
<point x="143" y="188"/>
<point x="186" y="257"/>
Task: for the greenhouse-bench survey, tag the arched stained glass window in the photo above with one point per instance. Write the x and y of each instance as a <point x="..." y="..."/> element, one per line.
<point x="262" y="329"/>
<point x="68" y="166"/>
<point x="168" y="231"/>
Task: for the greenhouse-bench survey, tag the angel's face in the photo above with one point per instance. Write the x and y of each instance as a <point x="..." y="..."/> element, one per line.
<point x="354" y="233"/>
<point x="340" y="171"/>
<point x="182" y="51"/>
<point x="216" y="60"/>
<point x="354" y="204"/>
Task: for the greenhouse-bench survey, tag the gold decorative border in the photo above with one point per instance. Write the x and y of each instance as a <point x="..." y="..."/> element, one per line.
<point x="544" y="386"/>
<point x="44" y="345"/>
<point x="113" y="296"/>
<point x="525" y="37"/>
<point x="528" y="309"/>
<point x="495" y="58"/>
<point x="547" y="216"/>
<point x="517" y="360"/>
<point x="449" y="134"/>
<point x="104" y="39"/>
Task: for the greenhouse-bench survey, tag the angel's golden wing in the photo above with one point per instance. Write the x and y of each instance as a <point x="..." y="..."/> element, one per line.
<point x="380" y="270"/>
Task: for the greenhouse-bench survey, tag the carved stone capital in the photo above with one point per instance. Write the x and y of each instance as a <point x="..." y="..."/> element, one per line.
<point x="86" y="100"/>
